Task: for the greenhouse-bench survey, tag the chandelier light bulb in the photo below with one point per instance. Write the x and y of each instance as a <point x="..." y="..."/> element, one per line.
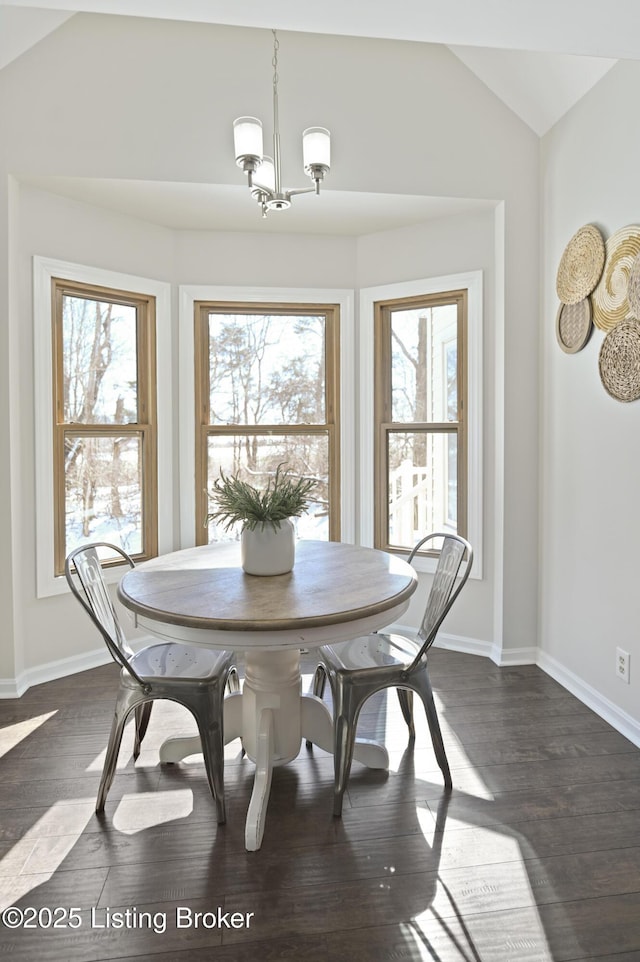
<point x="264" y="176"/>
<point x="316" y="149"/>
<point x="247" y="140"/>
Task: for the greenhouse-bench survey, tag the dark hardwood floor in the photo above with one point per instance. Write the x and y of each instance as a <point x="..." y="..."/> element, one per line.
<point x="535" y="855"/>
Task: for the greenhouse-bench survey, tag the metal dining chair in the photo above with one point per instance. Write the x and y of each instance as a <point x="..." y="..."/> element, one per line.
<point x="193" y="677"/>
<point x="361" y="667"/>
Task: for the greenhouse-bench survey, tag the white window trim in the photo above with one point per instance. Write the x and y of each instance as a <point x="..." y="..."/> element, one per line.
<point x="188" y="295"/>
<point x="472" y="282"/>
<point x="44" y="269"/>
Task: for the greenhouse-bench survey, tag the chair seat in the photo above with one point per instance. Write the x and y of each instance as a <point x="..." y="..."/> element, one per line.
<point x="378" y="650"/>
<point x="178" y="661"/>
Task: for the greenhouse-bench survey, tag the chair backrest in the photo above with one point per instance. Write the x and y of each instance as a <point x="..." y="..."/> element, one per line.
<point x="448" y="582"/>
<point x="83" y="571"/>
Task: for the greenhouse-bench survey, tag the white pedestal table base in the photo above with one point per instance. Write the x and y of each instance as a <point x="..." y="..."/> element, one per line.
<point x="272" y="717"/>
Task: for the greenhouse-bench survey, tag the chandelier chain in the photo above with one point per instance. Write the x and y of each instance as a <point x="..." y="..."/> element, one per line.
<point x="274" y="61"/>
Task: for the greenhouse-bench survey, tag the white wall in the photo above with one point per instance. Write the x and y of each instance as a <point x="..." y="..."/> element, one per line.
<point x="105" y="97"/>
<point x="10" y="659"/>
<point x="259" y="260"/>
<point x="590" y="464"/>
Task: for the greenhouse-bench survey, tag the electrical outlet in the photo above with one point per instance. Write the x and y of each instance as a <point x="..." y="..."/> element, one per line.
<point x="623" y="664"/>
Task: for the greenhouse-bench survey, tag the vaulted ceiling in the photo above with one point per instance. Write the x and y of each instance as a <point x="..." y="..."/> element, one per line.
<point x="538" y="56"/>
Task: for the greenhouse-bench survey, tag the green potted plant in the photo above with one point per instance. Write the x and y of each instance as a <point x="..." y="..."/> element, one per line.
<point x="267" y="538"/>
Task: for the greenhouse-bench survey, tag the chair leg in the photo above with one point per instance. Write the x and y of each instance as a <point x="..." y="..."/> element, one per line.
<point x="207" y="710"/>
<point x="346" y="711"/>
<point x="318" y="687"/>
<point x="233" y="686"/>
<point x="319" y="680"/>
<point x="405" y="697"/>
<point x="126" y="701"/>
<point x="423" y="687"/>
<point x="233" y="680"/>
<point x="143" y="714"/>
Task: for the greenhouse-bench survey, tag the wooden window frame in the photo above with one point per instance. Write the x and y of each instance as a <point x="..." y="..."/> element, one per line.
<point x="384" y="426"/>
<point x="144" y="428"/>
<point x="204" y="429"/>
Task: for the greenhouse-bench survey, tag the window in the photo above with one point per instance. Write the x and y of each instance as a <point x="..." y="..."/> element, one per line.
<point x="443" y="422"/>
<point x="420" y="441"/>
<point x="267" y="393"/>
<point x="104" y="432"/>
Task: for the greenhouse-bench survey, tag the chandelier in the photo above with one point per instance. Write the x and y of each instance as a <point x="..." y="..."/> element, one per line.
<point x="264" y="173"/>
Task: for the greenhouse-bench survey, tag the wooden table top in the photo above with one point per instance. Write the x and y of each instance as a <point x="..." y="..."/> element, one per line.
<point x="205" y="587"/>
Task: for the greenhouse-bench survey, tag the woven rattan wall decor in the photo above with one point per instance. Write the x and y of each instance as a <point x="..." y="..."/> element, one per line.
<point x="610" y="298"/>
<point x="633" y="290"/>
<point x="573" y="325"/>
<point x="619" y="361"/>
<point x="598" y="282"/>
<point x="581" y="265"/>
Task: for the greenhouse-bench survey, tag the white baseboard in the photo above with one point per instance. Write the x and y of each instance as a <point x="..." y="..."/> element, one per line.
<point x="616" y="717"/>
<point x="619" y="719"/>
<point x="9" y="688"/>
<point x="516" y="656"/>
<point x="15" y="687"/>
<point x="476" y="646"/>
<point x="465" y="645"/>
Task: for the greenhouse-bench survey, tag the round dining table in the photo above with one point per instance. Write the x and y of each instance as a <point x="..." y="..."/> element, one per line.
<point x="202" y="596"/>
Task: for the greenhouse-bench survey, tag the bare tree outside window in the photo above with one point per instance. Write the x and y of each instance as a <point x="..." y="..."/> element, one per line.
<point x="105" y="448"/>
<point x="267" y="395"/>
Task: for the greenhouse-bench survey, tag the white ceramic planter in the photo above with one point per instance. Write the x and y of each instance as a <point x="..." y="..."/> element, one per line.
<point x="268" y="551"/>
